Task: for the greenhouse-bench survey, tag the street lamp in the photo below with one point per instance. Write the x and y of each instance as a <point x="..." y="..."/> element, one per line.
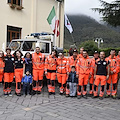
<point x="99" y="40"/>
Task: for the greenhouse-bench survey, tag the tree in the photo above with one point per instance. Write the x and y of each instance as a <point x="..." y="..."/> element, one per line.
<point x="110" y="12"/>
<point x="90" y="46"/>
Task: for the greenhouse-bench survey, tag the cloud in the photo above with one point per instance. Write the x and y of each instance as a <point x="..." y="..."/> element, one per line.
<point x="83" y="7"/>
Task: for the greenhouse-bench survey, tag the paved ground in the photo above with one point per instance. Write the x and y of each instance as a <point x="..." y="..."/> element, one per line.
<point x="45" y="107"/>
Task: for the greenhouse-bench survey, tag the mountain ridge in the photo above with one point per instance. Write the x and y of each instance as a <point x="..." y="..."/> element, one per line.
<point x="86" y="28"/>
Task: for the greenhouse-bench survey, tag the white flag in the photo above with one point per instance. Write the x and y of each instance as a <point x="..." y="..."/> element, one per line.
<point x="67" y="24"/>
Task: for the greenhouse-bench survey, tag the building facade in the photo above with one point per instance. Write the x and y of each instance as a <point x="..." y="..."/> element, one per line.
<point x="19" y="18"/>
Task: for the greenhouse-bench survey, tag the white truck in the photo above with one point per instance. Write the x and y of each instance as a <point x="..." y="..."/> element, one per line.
<point x="29" y="43"/>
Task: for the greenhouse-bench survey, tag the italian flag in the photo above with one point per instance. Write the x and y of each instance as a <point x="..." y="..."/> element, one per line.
<point x="53" y="22"/>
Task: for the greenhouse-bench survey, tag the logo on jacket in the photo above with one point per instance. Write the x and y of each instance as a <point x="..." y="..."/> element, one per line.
<point x="12" y="59"/>
<point x="99" y="63"/>
<point x="6" y="59"/>
<point x="104" y="63"/>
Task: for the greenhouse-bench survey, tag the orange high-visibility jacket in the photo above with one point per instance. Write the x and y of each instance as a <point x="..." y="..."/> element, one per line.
<point x="113" y="64"/>
<point x="50" y="63"/>
<point x="118" y="61"/>
<point x="80" y="56"/>
<point x="93" y="65"/>
<point x="84" y="66"/>
<point x="71" y="62"/>
<point x="2" y="65"/>
<point x="38" y="61"/>
<point x="62" y="65"/>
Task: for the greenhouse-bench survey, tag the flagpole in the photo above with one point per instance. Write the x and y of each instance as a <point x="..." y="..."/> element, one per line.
<point x="72" y="37"/>
<point x="56" y="26"/>
<point x="73" y="40"/>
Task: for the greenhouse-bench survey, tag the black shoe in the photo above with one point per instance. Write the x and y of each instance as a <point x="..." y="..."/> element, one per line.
<point x="90" y="95"/>
<point x="38" y="92"/>
<point x="61" y="93"/>
<point x="34" y="92"/>
<point x="94" y="96"/>
<point x="85" y="96"/>
<point x="79" y="96"/>
<point x="50" y="93"/>
<point x="101" y="98"/>
<point x="18" y="94"/>
<point x="114" y="96"/>
<point x="107" y="96"/>
<point x="53" y="93"/>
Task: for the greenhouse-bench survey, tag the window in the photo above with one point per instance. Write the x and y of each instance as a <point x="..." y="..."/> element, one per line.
<point x="29" y="45"/>
<point x="19" y="3"/>
<point x="9" y="1"/>
<point x="14" y="45"/>
<point x="44" y="47"/>
<point x="13" y="33"/>
<point x="16" y="2"/>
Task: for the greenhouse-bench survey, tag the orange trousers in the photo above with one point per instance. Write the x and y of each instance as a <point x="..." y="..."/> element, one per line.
<point x="91" y="82"/>
<point x="82" y="83"/>
<point x="102" y="79"/>
<point x="37" y="79"/>
<point x="112" y="79"/>
<point x="51" y="81"/>
<point x="62" y="78"/>
<point x="1" y="76"/>
<point x="83" y="79"/>
<point x="18" y="78"/>
<point x="38" y="74"/>
<point x="8" y="78"/>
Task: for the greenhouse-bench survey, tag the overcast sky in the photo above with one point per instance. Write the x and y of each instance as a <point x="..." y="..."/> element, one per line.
<point x="83" y="7"/>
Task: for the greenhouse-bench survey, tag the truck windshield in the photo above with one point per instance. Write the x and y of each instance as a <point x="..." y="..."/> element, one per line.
<point x="14" y="45"/>
<point x="31" y="45"/>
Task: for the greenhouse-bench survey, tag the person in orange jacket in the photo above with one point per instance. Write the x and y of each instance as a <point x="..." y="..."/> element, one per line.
<point x="38" y="60"/>
<point x="81" y="52"/>
<point x="2" y="65"/>
<point x="62" y="72"/>
<point x="114" y="69"/>
<point x="8" y="72"/>
<point x="18" y="71"/>
<point x="118" y="61"/>
<point x="101" y="74"/>
<point x="83" y="71"/>
<point x="72" y="61"/>
<point x="50" y="71"/>
<point x="91" y="81"/>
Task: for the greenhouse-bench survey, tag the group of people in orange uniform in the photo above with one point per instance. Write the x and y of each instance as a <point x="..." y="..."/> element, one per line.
<point x="78" y="68"/>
